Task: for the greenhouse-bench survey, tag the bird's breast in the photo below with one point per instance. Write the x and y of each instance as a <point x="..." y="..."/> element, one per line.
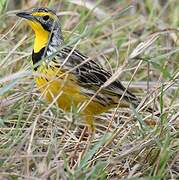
<point x="58" y="86"/>
<point x="62" y="88"/>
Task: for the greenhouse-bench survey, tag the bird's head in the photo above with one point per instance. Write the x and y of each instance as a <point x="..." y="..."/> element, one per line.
<point x="44" y="23"/>
<point x="41" y="19"/>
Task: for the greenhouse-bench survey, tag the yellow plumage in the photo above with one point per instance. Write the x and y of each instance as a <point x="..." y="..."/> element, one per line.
<point x="63" y="73"/>
<point x="68" y="92"/>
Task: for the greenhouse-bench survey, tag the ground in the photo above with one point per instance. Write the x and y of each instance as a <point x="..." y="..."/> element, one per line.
<point x="138" y="42"/>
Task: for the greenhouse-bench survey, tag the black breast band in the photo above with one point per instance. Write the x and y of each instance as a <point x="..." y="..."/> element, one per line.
<point x="36" y="57"/>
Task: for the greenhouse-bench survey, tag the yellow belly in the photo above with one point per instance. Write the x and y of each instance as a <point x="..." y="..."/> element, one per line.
<point x="64" y="91"/>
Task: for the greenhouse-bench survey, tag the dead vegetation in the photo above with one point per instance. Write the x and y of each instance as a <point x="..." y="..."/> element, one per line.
<point x="138" y="42"/>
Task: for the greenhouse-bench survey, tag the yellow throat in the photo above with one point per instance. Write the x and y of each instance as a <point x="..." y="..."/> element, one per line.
<point x="41" y="36"/>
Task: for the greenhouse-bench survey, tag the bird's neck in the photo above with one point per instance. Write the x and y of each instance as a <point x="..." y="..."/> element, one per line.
<point x="41" y="40"/>
<point x="46" y="45"/>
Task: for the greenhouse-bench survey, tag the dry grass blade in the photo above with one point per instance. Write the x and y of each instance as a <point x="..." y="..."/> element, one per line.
<point x="98" y="12"/>
<point x="14" y="76"/>
<point x="149" y="41"/>
<point x="38" y="139"/>
<point x="11" y="52"/>
<point x="143" y="46"/>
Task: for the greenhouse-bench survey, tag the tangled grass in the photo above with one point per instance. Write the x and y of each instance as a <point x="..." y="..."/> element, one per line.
<point x="136" y="41"/>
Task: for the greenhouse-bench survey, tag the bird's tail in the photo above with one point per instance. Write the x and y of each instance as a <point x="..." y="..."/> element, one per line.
<point x="137" y="103"/>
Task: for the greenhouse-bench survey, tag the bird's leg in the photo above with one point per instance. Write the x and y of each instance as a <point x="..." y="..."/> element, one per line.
<point x="74" y="154"/>
<point x="91" y="126"/>
<point x="91" y="130"/>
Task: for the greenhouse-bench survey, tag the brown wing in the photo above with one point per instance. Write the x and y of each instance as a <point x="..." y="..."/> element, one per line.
<point x="92" y="76"/>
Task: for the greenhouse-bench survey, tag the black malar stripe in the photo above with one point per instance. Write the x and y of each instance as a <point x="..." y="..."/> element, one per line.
<point x="36" y="57"/>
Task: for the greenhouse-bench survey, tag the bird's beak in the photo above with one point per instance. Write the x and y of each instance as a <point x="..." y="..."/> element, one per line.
<point x="26" y="15"/>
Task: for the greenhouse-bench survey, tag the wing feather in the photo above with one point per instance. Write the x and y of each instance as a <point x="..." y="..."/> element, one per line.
<point x="92" y="76"/>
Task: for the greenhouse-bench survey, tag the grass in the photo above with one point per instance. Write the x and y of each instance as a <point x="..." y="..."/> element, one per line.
<point x="38" y="139"/>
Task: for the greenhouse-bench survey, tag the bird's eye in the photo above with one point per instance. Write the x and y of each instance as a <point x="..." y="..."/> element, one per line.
<point x="45" y="18"/>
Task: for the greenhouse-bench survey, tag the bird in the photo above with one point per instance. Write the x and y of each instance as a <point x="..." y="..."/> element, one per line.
<point x="68" y="77"/>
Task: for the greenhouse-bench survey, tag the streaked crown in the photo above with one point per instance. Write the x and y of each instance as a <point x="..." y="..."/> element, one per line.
<point x="46" y="17"/>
